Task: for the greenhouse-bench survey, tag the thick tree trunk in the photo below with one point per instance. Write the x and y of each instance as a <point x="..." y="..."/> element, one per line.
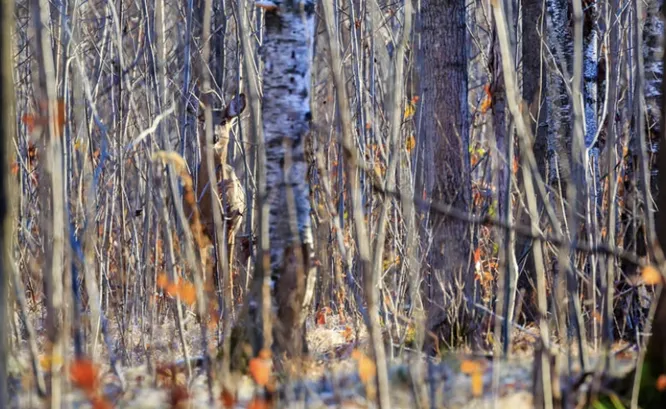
<point x="6" y="137"/>
<point x="558" y="101"/>
<point x="287" y="55"/>
<point x="533" y="92"/>
<point x="446" y="125"/>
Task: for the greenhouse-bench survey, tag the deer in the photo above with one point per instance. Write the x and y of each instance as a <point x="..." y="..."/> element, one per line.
<point x="231" y="194"/>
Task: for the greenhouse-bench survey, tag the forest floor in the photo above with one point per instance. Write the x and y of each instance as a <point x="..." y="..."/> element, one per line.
<point x="336" y="373"/>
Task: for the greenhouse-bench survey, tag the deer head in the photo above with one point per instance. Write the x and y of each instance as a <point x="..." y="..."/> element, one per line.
<point x="223" y="120"/>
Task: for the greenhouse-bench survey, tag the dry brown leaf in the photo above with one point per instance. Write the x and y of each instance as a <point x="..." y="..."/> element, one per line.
<point x="487" y="100"/>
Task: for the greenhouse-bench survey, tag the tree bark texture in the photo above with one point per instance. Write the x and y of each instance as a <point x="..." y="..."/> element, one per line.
<point x="558" y="103"/>
<point x="287" y="55"/>
<point x="446" y="125"/>
<point x="6" y="138"/>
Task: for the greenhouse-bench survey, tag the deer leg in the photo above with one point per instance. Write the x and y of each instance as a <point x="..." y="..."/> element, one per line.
<point x="230" y="255"/>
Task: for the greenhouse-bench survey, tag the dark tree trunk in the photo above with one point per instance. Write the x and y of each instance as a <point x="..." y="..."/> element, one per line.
<point x="6" y="136"/>
<point x="534" y="86"/>
<point x="446" y="126"/>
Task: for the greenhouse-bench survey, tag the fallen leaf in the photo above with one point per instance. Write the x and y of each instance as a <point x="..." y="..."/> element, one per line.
<point x="320" y="317"/>
<point x="348" y="333"/>
<point x="83" y="374"/>
<point x="258" y="403"/>
<point x="475" y="370"/>
<point x="99" y="402"/>
<point x="260" y="368"/>
<point x="469" y="367"/>
<point x="477" y="384"/>
<point x="265" y="354"/>
<point x="366" y="367"/>
<point x="47" y="361"/>
<point x="227" y="398"/>
<point x="178" y="394"/>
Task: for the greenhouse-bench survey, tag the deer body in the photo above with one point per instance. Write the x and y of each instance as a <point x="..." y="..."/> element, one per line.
<point x="230" y="191"/>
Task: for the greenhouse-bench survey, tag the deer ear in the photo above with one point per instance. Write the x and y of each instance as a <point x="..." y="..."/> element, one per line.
<point x="236" y="106"/>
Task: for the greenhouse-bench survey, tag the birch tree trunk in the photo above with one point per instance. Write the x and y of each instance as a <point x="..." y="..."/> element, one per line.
<point x="287" y="55"/>
<point x="654" y="67"/>
<point x="558" y="102"/>
<point x="446" y="124"/>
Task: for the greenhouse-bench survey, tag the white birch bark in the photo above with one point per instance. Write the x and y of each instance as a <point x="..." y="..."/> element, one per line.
<point x="287" y="55"/>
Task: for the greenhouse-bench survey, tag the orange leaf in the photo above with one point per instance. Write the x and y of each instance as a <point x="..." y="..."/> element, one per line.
<point x="33" y="120"/>
<point x="477" y="384"/>
<point x="516" y="165"/>
<point x="83" y="374"/>
<point x="477" y="255"/>
<point x="15" y="168"/>
<point x="320" y="317"/>
<point x="162" y="280"/>
<point x="178" y="394"/>
<point x="469" y="367"/>
<point x="651" y="275"/>
<point x="260" y="369"/>
<point x="347" y="333"/>
<point x="661" y="383"/>
<point x="411" y="143"/>
<point x="366" y="368"/>
<point x="100" y="403"/>
<point x="172" y="289"/>
<point x="258" y="403"/>
<point x="475" y="370"/>
<point x="187" y="293"/>
<point x="265" y="354"/>
<point x="487" y="100"/>
<point x="228" y="399"/>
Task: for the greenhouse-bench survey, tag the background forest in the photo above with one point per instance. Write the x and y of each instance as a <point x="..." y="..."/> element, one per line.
<point x="349" y="203"/>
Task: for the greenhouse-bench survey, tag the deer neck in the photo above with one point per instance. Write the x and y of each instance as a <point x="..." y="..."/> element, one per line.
<point x="222" y="149"/>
